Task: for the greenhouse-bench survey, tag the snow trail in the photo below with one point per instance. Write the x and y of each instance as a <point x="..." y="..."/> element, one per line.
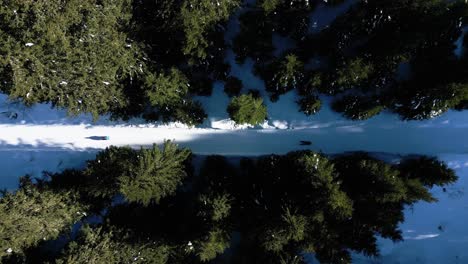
<point x="334" y="139"/>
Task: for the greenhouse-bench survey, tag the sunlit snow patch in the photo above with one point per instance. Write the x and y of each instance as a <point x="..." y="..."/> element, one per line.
<point x="420" y="237"/>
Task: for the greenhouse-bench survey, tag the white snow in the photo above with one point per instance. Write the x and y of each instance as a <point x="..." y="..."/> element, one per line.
<point x="420" y="237"/>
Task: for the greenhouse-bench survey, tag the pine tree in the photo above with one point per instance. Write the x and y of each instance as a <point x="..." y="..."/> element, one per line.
<point x="353" y="73"/>
<point x="95" y="245"/>
<point x="199" y="18"/>
<point x="246" y="109"/>
<point x="166" y="91"/>
<point x="156" y="174"/>
<point x="283" y="75"/>
<point x="212" y="245"/>
<point x="31" y="215"/>
<point x="357" y="107"/>
<point x="428" y="170"/>
<point x="73" y="54"/>
<point x="103" y="172"/>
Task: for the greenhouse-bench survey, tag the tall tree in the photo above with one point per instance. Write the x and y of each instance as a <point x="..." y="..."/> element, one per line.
<point x="156" y="174"/>
<point x="95" y="245"/>
<point x="282" y="75"/>
<point x="199" y="18"/>
<point x="73" y="54"/>
<point x="31" y="215"/>
<point x="246" y="109"/>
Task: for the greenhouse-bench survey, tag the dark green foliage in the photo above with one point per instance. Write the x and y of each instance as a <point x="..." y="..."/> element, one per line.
<point x="118" y="57"/>
<point x="73" y="54"/>
<point x="198" y="18"/>
<point x="310" y="105"/>
<point x="308" y="203"/>
<point x="288" y="17"/>
<point x="357" y="107"/>
<point x="166" y="90"/>
<point x="190" y="113"/>
<point x="32" y="214"/>
<point x="136" y="58"/>
<point x="413" y="104"/>
<point x="254" y="39"/>
<point x="168" y="93"/>
<point x="99" y="246"/>
<point x="156" y="174"/>
<point x="428" y="170"/>
<point x="233" y="86"/>
<point x="246" y="109"/>
<point x="213" y="244"/>
<point x="102" y="172"/>
<point x="271" y="209"/>
<point x="352" y="74"/>
<point x="216" y="207"/>
<point x="379" y="192"/>
<point x="142" y="176"/>
<point x="283" y="75"/>
<point x="368" y="43"/>
<point x="292" y="228"/>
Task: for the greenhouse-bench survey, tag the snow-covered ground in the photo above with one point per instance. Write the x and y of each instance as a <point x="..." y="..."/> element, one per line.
<point x="433" y="233"/>
<point x="41" y="138"/>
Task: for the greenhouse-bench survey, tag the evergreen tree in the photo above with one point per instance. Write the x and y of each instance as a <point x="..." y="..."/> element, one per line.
<point x="166" y="91"/>
<point x="310" y="105"/>
<point x="199" y="17"/>
<point x="351" y="74"/>
<point x="142" y="176"/>
<point x="190" y="113"/>
<point x="73" y="54"/>
<point x="367" y="45"/>
<point x="276" y="208"/>
<point x="99" y="246"/>
<point x="212" y="245"/>
<point x="357" y="107"/>
<point x="428" y="170"/>
<point x="103" y="172"/>
<point x="156" y="174"/>
<point x="31" y="215"/>
<point x="283" y="75"/>
<point x="246" y="109"/>
<point x="254" y="39"/>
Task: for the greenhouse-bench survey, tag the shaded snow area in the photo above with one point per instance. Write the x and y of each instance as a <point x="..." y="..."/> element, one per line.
<point x="433" y="233"/>
<point x="15" y="164"/>
<point x="40" y="138"/>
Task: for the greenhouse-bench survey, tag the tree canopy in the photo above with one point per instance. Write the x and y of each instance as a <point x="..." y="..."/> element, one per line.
<point x="247" y="109"/>
<point x="270" y="209"/>
<point x="142" y="58"/>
